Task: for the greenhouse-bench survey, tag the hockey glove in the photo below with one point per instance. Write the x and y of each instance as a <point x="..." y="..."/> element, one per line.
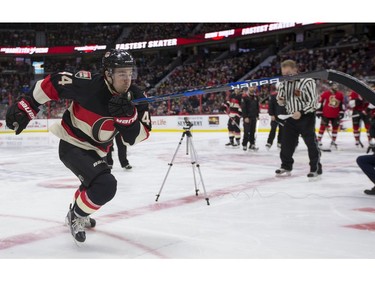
<point x="122" y="109"/>
<point x="20" y="113"/>
<point x="224" y="107"/>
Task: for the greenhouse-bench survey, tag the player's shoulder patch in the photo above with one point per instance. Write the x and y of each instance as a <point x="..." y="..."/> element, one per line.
<point x="83" y="74"/>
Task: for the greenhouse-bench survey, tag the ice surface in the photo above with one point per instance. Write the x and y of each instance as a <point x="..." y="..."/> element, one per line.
<point x="252" y="214"/>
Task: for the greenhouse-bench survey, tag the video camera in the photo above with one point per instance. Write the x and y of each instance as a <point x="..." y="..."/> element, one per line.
<point x="188" y="124"/>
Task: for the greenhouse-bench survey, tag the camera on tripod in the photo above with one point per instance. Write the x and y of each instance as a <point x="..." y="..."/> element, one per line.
<point x="188" y="124"/>
<point x="193" y="157"/>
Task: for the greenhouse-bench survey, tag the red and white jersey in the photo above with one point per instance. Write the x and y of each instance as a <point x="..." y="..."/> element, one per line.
<point x="332" y="104"/>
<point x="87" y="123"/>
<point x="359" y="103"/>
<point x="234" y="105"/>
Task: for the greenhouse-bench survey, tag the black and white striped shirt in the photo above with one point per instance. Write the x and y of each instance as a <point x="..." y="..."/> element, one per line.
<point x="299" y="95"/>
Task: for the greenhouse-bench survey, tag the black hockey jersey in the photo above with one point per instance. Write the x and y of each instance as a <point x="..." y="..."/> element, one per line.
<point x="87" y="122"/>
<point x="234" y="105"/>
<point x="250" y="106"/>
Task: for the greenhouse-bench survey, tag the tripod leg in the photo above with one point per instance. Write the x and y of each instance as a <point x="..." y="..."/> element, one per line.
<point x="194" y="162"/>
<point x="170" y="166"/>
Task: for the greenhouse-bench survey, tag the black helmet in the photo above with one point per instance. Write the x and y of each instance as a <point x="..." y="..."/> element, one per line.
<point x="117" y="58"/>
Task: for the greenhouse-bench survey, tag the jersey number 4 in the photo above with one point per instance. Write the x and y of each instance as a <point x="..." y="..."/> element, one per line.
<point x="65" y="80"/>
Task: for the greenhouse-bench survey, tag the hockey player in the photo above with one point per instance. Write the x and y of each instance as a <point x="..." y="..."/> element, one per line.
<point x="274" y="109"/>
<point x="121" y="152"/>
<point x="359" y="107"/>
<point x="331" y="110"/>
<point x="233" y="108"/>
<point x="101" y="108"/>
<point x="250" y="115"/>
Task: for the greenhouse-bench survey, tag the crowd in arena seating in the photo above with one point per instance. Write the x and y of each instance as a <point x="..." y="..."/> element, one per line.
<point x="144" y="31"/>
<point x="202" y="73"/>
<point x="347" y="55"/>
<point x="77" y="34"/>
<point x="61" y="34"/>
<point x="17" y="38"/>
<point x="208" y="27"/>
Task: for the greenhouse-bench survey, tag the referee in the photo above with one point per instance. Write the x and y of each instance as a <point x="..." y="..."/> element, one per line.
<point x="301" y="100"/>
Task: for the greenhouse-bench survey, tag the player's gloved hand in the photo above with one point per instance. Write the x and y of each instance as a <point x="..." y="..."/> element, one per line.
<point x="122" y="109"/>
<point x="318" y="114"/>
<point x="20" y="113"/>
<point x="223" y="107"/>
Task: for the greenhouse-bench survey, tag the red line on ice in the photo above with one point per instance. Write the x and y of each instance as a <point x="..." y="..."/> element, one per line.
<point x="47" y="233"/>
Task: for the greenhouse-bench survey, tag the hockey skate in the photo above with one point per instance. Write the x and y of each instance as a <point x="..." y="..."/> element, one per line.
<point x="77" y="225"/>
<point x="283" y="172"/>
<point x="268" y="146"/>
<point x="312" y="176"/>
<point x="253" y="148"/>
<point x="370" y="191"/>
<point x="127" y="167"/>
<point x="89" y="222"/>
<point x="244" y="147"/>
<point x="231" y="144"/>
<point x="334" y="144"/>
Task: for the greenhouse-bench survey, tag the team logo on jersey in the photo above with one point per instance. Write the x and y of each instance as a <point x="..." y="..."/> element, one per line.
<point x="333" y="102"/>
<point x="83" y="75"/>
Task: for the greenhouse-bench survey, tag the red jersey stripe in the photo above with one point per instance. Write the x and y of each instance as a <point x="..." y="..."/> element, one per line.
<point x="49" y="89"/>
<point x="85" y="115"/>
<point x="86" y="200"/>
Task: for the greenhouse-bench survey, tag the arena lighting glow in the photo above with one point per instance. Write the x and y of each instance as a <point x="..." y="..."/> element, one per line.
<point x="24" y="50"/>
<point x="162" y="43"/>
<point x="90" y="49"/>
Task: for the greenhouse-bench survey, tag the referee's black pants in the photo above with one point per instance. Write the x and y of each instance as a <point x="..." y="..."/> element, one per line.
<point x="305" y="126"/>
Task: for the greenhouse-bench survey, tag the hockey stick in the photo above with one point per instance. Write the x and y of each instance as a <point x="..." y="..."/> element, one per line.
<point x="230" y="86"/>
<point x="234" y="121"/>
<point x="210" y="89"/>
<point x="327" y="74"/>
<point x="256" y="130"/>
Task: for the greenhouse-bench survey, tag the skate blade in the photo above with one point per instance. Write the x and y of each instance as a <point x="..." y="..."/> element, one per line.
<point x="284" y="175"/>
<point x="78" y="244"/>
<point x="312" y="179"/>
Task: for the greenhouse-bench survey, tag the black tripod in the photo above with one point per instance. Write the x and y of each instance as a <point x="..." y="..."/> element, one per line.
<point x="193" y="155"/>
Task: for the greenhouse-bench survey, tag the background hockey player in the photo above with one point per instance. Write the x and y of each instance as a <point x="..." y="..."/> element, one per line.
<point x="250" y="115"/>
<point x="233" y="109"/>
<point x="101" y="108"/>
<point x="359" y="108"/>
<point x="274" y="109"/>
<point x="331" y="110"/>
<point x="122" y="153"/>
